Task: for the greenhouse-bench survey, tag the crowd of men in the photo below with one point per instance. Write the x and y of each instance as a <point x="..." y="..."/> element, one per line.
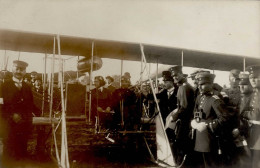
<point x="206" y="124"/>
<point x="212" y="126"/>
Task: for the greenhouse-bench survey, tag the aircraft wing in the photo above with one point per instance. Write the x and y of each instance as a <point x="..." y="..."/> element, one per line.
<point x="79" y="46"/>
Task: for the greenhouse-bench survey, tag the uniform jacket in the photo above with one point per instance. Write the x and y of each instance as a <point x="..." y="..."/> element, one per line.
<point x="254" y="114"/>
<point x="234" y="97"/>
<point x="215" y="115"/>
<point x="17" y="101"/>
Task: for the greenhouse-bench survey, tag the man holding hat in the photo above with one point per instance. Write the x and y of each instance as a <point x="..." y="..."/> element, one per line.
<point x="183" y="113"/>
<point x="17" y="108"/>
<point x="209" y="117"/>
<point x="253" y="114"/>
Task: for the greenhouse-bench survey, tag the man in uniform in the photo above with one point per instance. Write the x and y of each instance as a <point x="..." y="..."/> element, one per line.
<point x="253" y="115"/>
<point x="210" y="116"/>
<point x="232" y="95"/>
<point x="240" y="133"/>
<point x="183" y="113"/>
<point x="17" y="108"/>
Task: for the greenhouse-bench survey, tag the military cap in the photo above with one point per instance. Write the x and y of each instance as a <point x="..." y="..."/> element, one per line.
<point x="175" y="69"/>
<point x="20" y="64"/>
<point x="167" y="76"/>
<point x="194" y="73"/>
<point x="205" y="77"/>
<point x="110" y="78"/>
<point x="244" y="79"/>
<point x="254" y="70"/>
<point x="235" y="73"/>
<point x="127" y="75"/>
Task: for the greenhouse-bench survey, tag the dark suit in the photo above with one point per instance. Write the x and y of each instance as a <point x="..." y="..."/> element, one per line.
<point x="101" y="99"/>
<point x="167" y="103"/>
<point x="185" y="101"/>
<point x="131" y="117"/>
<point x="16" y="101"/>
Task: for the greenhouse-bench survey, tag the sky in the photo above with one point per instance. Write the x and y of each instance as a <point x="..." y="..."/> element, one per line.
<point x="231" y="27"/>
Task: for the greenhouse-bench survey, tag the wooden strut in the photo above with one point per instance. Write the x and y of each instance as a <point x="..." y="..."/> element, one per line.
<point x="156" y="101"/>
<point x="64" y="145"/>
<point x="90" y="83"/>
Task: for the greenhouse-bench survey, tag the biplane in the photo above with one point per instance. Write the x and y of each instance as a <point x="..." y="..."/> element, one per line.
<point x="94" y="50"/>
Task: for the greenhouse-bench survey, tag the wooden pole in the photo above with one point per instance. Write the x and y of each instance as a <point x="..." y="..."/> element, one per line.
<point x="64" y="147"/>
<point x="182" y="58"/>
<point x="244" y="64"/>
<point x="157" y="105"/>
<point x="52" y="77"/>
<point x="90" y="80"/>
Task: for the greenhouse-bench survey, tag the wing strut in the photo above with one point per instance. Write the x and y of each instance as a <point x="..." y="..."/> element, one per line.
<point x="160" y="127"/>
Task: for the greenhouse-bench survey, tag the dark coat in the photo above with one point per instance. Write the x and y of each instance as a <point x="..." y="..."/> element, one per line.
<point x="131" y="116"/>
<point x="254" y="114"/>
<point x="17" y="101"/>
<point x="167" y="104"/>
<point x="185" y="101"/>
<point x="215" y="114"/>
<point x="20" y="102"/>
<point x="100" y="99"/>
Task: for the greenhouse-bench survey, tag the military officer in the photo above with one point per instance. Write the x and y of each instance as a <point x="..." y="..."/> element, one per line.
<point x="182" y="115"/>
<point x="253" y="114"/>
<point x="240" y="133"/>
<point x="17" y="108"/>
<point x="209" y="116"/>
<point x="232" y="95"/>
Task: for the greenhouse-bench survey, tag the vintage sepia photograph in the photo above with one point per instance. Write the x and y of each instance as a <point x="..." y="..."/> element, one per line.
<point x="129" y="84"/>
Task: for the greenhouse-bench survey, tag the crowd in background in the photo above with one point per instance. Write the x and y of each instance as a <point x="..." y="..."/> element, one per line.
<point x="207" y="125"/>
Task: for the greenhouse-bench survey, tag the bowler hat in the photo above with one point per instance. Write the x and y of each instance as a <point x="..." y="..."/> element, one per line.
<point x="167" y="76"/>
<point x="254" y="70"/>
<point x="127" y="75"/>
<point x="175" y="69"/>
<point x="20" y="64"/>
<point x="244" y="79"/>
<point x="205" y="77"/>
